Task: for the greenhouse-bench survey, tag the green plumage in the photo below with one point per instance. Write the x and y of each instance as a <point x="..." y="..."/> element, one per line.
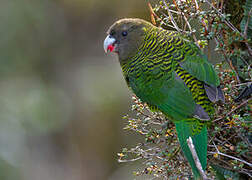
<point x="166" y="73"/>
<point x="170" y="73"/>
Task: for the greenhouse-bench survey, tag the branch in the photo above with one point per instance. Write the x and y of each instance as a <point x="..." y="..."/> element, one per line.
<point x="171" y="17"/>
<point x="228" y="60"/>
<point x="245" y="33"/>
<point x="188" y="24"/>
<point x="240" y="105"/>
<point x="196" y="158"/>
<point x="196" y="4"/>
<point x="229" y="24"/>
<point x="247" y="23"/>
<point x="129" y="160"/>
<point x="191" y="31"/>
<point x="152" y="14"/>
<point x="242" y="84"/>
<point x="231" y="157"/>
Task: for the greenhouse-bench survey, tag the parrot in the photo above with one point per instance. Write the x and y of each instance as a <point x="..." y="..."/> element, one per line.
<point x="170" y="74"/>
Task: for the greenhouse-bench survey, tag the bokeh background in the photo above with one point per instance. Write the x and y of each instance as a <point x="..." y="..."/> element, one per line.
<point x="61" y="97"/>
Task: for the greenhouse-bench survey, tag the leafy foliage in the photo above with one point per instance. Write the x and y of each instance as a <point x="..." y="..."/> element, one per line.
<point x="222" y="173"/>
<point x="247" y="19"/>
<point x="160" y="150"/>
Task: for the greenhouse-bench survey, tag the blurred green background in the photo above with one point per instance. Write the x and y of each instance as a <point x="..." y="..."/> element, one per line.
<point x="61" y="96"/>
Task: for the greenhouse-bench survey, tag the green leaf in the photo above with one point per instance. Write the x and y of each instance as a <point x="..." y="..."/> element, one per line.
<point x="247" y="7"/>
<point x="223" y="174"/>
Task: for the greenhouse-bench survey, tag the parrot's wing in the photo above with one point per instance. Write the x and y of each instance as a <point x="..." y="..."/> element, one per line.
<point x="168" y="94"/>
<point x="179" y="101"/>
<point x="199" y="67"/>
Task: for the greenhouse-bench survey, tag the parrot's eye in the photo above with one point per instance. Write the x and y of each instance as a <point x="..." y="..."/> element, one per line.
<point x="124" y="33"/>
<point x="112" y="33"/>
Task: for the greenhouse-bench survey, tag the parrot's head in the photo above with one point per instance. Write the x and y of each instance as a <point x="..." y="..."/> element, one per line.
<point x="125" y="36"/>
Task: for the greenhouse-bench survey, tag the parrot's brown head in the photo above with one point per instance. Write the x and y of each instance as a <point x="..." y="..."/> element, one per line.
<point x="125" y="36"/>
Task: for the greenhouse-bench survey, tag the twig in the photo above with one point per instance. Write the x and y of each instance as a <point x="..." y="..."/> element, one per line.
<point x="171" y="17"/>
<point x="171" y="25"/>
<point x="191" y="31"/>
<point x="239" y="106"/>
<point x="196" y="4"/>
<point x="129" y="160"/>
<point x="227" y="59"/>
<point x="196" y="158"/>
<point x="247" y="83"/>
<point x="231" y="157"/>
<point x="229" y="24"/>
<point x="221" y="6"/>
<point x="248" y="173"/>
<point x="246" y="25"/>
<point x="152" y="14"/>
<point x="176" y="12"/>
<point x="174" y="23"/>
<point x="245" y="33"/>
<point x="187" y="23"/>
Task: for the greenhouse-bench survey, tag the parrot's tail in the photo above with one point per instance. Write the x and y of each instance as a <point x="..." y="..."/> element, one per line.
<point x="185" y="130"/>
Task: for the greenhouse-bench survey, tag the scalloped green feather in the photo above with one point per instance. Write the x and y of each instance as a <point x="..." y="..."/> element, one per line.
<point x="171" y="96"/>
<point x="200" y="68"/>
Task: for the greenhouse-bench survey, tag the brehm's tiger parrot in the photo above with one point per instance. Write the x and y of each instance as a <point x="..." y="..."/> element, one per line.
<point x="171" y="74"/>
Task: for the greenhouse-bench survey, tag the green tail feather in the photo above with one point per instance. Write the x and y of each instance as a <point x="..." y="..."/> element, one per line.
<point x="184" y="130"/>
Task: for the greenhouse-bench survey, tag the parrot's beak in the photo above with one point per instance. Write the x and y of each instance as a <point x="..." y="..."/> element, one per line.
<point x="109" y="44"/>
